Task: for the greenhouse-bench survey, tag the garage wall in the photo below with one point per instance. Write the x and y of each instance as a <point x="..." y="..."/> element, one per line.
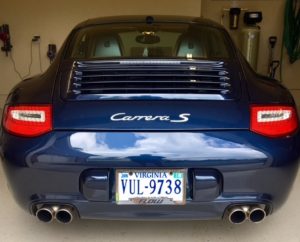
<point x="272" y="24"/>
<point x="54" y="19"/>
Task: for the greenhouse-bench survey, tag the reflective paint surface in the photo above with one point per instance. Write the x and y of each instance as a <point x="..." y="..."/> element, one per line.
<point x="172" y="146"/>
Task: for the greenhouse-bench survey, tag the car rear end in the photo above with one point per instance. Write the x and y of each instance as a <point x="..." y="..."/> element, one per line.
<point x="158" y="134"/>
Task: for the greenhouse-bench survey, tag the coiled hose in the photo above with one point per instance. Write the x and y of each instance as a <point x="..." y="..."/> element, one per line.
<point x="291" y="33"/>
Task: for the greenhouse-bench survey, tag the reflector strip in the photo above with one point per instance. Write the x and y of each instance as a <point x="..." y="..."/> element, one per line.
<point x="28" y="115"/>
<point x="273" y="116"/>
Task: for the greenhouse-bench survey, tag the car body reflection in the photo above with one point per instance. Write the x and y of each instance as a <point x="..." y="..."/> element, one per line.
<point x="174" y="146"/>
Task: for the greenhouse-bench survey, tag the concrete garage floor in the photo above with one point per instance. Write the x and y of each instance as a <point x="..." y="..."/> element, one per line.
<point x="17" y="225"/>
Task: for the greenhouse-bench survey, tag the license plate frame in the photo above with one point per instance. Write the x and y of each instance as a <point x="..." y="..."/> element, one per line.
<point x="158" y="200"/>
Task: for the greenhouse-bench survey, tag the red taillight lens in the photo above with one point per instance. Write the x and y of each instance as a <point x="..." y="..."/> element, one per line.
<point x="28" y="121"/>
<point x="273" y="121"/>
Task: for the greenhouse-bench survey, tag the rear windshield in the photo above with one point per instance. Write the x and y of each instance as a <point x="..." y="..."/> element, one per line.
<point x="140" y="40"/>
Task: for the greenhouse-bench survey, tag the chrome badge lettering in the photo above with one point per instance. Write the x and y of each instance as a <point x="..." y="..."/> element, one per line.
<point x="182" y="118"/>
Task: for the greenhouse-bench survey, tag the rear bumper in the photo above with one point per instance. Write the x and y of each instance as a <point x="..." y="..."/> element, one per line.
<point x="53" y="168"/>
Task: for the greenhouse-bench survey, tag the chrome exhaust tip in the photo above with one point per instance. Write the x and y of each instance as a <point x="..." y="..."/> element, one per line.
<point x="237" y="215"/>
<point x="45" y="214"/>
<point x="65" y="214"/>
<point x="257" y="215"/>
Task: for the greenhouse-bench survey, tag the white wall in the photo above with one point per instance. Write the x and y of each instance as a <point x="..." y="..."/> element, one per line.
<point x="53" y="20"/>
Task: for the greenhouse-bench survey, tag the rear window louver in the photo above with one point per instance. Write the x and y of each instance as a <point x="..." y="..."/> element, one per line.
<point x="133" y="78"/>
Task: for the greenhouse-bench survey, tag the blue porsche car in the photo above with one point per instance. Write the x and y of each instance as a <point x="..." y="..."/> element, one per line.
<point x="150" y="118"/>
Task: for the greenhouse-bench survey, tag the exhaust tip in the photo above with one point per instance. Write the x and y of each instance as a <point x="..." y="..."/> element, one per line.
<point x="237" y="216"/>
<point x="257" y="215"/>
<point x="45" y="215"/>
<point x="64" y="215"/>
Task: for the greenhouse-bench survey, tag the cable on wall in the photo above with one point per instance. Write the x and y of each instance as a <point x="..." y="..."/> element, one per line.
<point x="40" y="57"/>
<point x="30" y="63"/>
<point x="14" y="66"/>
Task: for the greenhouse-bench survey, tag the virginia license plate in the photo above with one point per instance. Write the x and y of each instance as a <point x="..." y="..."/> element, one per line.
<point x="151" y="187"/>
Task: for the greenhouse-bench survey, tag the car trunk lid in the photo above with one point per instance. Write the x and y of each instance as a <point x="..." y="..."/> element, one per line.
<point x="150" y="95"/>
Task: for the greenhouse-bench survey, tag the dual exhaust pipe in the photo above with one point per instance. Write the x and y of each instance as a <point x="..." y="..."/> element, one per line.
<point x="63" y="214"/>
<point x="239" y="214"/>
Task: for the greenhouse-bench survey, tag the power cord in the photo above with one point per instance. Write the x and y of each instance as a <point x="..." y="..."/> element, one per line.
<point x="30" y="63"/>
<point x="14" y="66"/>
<point x="40" y="57"/>
<point x="31" y="60"/>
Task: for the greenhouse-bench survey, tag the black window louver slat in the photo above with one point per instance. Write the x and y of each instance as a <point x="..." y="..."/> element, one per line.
<point x="149" y="77"/>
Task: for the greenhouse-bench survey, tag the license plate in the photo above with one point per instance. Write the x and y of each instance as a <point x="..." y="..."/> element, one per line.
<point x="151" y="187"/>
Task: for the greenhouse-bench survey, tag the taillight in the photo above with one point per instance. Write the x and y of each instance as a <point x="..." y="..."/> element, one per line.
<point x="273" y="121"/>
<point x="28" y="121"/>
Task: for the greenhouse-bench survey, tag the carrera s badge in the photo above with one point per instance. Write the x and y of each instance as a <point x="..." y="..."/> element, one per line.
<point x="182" y="118"/>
